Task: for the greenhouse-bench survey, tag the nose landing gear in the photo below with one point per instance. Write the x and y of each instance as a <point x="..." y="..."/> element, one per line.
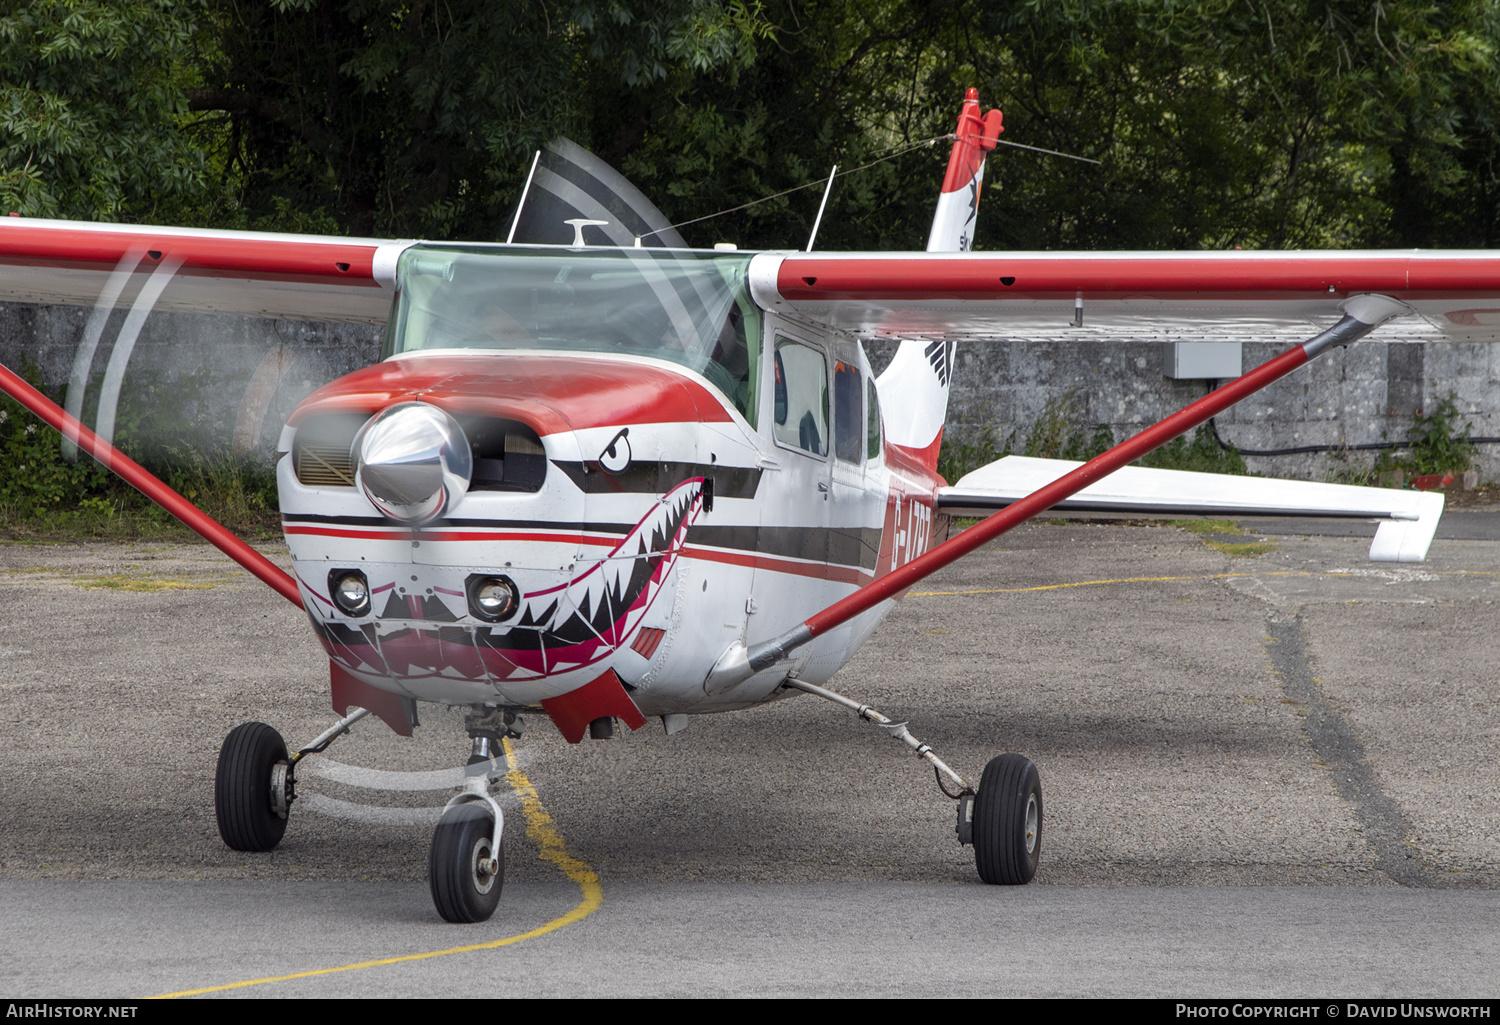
<point x="466" y="866"/>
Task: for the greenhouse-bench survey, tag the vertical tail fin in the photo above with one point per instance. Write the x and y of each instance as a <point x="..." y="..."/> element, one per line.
<point x="958" y="203"/>
<point x="914" y="397"/>
<point x="914" y="388"/>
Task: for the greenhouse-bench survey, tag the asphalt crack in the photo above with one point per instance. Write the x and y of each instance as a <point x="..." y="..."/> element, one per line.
<point x="1386" y="827"/>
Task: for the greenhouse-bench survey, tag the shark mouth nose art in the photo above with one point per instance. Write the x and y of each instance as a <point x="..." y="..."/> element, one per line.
<point x="556" y="629"/>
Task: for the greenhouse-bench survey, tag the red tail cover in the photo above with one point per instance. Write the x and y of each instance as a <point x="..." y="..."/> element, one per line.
<point x="975" y="137"/>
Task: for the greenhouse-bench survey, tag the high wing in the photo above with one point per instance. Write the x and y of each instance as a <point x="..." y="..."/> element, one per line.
<point x="914" y="297"/>
<point x="258" y="274"/>
<point x="1135" y="296"/>
<point x="1132" y="296"/>
<point x="1278" y="297"/>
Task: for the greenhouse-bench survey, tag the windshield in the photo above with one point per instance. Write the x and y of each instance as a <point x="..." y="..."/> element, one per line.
<point x="690" y="308"/>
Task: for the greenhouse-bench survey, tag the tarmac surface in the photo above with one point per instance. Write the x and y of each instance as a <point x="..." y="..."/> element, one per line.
<point x="1267" y="773"/>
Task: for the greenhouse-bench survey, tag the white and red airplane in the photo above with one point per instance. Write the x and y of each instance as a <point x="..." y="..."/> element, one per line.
<point x="613" y="482"/>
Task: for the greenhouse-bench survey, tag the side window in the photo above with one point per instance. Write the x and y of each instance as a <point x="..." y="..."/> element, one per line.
<point x="872" y="423"/>
<point x="846" y="418"/>
<point x="801" y="397"/>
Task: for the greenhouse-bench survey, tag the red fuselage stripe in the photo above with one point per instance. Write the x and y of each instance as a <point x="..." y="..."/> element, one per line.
<point x="817" y="570"/>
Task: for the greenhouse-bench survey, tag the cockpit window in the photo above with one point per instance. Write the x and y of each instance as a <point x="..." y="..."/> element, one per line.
<point x="691" y="308"/>
<point x="801" y="406"/>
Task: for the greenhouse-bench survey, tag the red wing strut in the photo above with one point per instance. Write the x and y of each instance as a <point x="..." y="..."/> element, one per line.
<point x="1362" y="314"/>
<point x="138" y="477"/>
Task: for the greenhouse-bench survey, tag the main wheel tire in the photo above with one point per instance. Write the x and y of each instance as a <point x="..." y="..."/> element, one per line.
<point x="248" y="821"/>
<point x="461" y="890"/>
<point x="1008" y="821"/>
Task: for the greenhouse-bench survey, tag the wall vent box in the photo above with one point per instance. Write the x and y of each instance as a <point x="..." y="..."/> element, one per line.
<point x="1190" y="361"/>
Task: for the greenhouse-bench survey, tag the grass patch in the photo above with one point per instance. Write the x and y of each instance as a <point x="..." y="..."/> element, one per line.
<point x="1246" y="550"/>
<point x="125" y="581"/>
<point x="120" y="582"/>
<point x="1208" y="526"/>
<point x="1438" y="444"/>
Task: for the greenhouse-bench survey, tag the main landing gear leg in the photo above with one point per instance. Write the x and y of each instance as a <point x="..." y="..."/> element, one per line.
<point x="254" y="783"/>
<point x="1002" y="820"/>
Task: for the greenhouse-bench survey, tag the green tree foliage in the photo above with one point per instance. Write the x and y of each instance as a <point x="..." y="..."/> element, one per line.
<point x="36" y="480"/>
<point x="419" y="118"/>
<point x="1257" y="123"/>
<point x="93" y="109"/>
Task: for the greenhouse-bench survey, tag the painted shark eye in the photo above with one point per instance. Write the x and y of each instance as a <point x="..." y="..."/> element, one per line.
<point x="493" y="599"/>
<point x="616" y="455"/>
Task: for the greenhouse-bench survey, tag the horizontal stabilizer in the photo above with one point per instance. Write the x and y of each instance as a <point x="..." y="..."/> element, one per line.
<point x="1409" y="518"/>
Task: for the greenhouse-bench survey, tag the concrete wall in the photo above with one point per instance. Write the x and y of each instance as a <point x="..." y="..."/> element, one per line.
<point x="261" y="368"/>
<point x="1366" y="393"/>
<point x="256" y="369"/>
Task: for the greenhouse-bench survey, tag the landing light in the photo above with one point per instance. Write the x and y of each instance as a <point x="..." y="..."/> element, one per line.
<point x="350" y="591"/>
<point x="493" y="599"/>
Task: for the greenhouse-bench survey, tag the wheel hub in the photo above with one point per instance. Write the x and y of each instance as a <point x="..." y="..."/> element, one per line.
<point x="482" y="866"/>
<point x="283" y="789"/>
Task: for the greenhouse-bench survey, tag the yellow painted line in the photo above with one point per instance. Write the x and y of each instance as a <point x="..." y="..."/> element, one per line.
<point x="543" y="833"/>
<point x="1089" y="583"/>
<point x="1158" y="580"/>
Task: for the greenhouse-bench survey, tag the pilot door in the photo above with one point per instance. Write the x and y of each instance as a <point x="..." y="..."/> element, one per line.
<point x="794" y="575"/>
<point x="856" y="499"/>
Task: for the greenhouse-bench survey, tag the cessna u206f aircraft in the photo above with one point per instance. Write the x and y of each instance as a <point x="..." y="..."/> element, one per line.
<point x="607" y="482"/>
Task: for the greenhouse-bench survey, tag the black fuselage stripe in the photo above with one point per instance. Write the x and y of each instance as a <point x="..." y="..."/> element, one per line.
<point x="838" y="546"/>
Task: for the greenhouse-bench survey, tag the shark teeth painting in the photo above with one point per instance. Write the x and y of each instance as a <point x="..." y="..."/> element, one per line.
<point x="556" y="630"/>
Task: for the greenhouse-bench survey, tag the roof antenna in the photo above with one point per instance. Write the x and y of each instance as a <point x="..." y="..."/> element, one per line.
<point x="530" y="175"/>
<point x="821" y="207"/>
<point x="579" y="223"/>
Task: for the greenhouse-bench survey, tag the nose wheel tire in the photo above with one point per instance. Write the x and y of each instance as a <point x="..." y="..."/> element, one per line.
<point x="252" y="788"/>
<point x="464" y="872"/>
<point x="1008" y="821"/>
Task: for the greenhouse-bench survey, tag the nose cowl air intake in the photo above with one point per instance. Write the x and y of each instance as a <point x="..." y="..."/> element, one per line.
<point x="413" y="462"/>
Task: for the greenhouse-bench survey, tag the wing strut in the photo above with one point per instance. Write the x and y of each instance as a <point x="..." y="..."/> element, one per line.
<point x="1362" y="314"/>
<point x="112" y="459"/>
